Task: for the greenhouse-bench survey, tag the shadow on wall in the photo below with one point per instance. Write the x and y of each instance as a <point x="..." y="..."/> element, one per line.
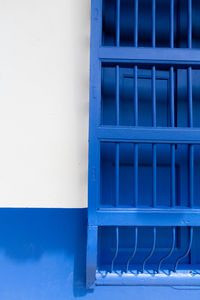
<point x="27" y="235"/>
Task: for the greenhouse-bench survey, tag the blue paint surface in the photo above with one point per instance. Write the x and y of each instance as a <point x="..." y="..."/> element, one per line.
<point x="42" y="257"/>
<point x="144" y="142"/>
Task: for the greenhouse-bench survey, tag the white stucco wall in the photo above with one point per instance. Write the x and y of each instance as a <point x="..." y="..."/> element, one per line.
<point x="44" y="99"/>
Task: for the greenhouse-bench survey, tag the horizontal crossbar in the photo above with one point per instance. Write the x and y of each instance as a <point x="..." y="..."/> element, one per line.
<point x="163" y="56"/>
<point x="151" y="135"/>
<point x="146" y="217"/>
<point x="178" y="278"/>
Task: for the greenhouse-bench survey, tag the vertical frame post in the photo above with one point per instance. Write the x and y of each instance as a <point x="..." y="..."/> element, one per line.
<point x="171" y="23"/>
<point x="118" y="24"/>
<point x="153" y="23"/>
<point x="189" y="24"/>
<point x="92" y="245"/>
<point x="94" y="144"/>
<point x="136" y="25"/>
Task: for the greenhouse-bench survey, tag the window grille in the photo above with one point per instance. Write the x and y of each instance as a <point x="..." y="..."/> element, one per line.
<point x="144" y="144"/>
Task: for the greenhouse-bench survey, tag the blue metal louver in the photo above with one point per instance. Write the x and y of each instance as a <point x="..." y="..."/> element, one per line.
<point x="144" y="145"/>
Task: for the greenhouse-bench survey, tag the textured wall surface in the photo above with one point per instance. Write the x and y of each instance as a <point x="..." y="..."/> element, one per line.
<point x="42" y="257"/>
<point x="44" y="96"/>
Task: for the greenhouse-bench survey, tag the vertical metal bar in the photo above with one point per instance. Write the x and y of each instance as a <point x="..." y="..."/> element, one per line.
<point x="187" y="251"/>
<point x="136" y="25"/>
<point x="117" y="175"/>
<point x="134" y="249"/>
<point x="172" y="117"/>
<point x="153" y="23"/>
<point x="173" y="176"/>
<point x="172" y="23"/>
<point x="189" y="81"/>
<point x="154" y="163"/>
<point x="191" y="147"/>
<point x="189" y="23"/>
<point x="117" y="94"/>
<point x="191" y="175"/>
<point x="172" y="104"/>
<point x="117" y="145"/>
<point x="136" y="124"/>
<point x="171" y="249"/>
<point x="136" y="174"/>
<point x="117" y="249"/>
<point x="152" y="250"/>
<point x="118" y="24"/>
<point x="136" y="95"/>
<point x="154" y="96"/>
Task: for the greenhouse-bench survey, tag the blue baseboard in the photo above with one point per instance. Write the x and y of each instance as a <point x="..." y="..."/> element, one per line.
<point x="42" y="257"/>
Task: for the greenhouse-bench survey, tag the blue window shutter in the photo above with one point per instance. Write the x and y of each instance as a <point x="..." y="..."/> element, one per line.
<point x="144" y="143"/>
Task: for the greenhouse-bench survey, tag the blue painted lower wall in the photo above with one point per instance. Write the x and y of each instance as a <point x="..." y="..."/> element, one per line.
<point x="42" y="257"/>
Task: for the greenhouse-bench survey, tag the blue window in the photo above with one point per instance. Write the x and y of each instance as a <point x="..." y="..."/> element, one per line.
<point x="144" y="145"/>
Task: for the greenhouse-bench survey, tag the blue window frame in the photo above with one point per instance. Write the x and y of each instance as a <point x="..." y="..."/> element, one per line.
<point x="144" y="143"/>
